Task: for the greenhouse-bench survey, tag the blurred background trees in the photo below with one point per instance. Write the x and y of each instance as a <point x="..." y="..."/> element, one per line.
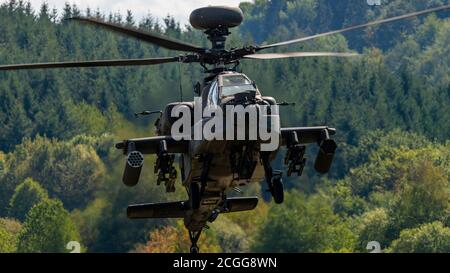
<point x="26" y="195"/>
<point x="47" y="229"/>
<point x="60" y="173"/>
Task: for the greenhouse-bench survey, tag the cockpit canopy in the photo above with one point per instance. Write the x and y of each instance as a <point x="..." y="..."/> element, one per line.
<point x="235" y="83"/>
<point x="228" y="84"/>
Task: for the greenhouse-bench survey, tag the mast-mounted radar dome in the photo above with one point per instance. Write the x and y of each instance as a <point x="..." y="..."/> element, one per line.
<point x="216" y="17"/>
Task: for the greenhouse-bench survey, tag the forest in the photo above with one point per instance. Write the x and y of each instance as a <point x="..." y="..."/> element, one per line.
<point x="60" y="175"/>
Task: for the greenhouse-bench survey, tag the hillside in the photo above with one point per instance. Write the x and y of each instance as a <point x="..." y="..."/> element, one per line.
<point x="391" y="108"/>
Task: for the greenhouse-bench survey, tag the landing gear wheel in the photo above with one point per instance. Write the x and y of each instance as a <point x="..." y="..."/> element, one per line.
<point x="277" y="190"/>
<point x="195" y="195"/>
<point x="194" y="236"/>
<point x="195" y="249"/>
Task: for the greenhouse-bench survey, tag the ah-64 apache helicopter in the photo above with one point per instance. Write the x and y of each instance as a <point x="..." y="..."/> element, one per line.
<point x="211" y="168"/>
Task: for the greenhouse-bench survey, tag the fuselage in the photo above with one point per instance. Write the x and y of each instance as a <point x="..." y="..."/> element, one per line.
<point x="223" y="163"/>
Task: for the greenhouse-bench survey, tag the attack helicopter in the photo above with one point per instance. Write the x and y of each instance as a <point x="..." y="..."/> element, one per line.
<point x="210" y="169"/>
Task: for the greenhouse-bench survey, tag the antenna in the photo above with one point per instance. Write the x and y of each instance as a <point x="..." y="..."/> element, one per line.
<point x="181" y="82"/>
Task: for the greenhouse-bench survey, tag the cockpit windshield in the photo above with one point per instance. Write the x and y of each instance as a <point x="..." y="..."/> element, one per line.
<point x="235" y="84"/>
<point x="213" y="95"/>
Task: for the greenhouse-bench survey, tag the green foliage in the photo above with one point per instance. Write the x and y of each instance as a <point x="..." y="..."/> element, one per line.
<point x="373" y="226"/>
<point x="174" y="239"/>
<point x="47" y="229"/>
<point x="231" y="236"/>
<point x="428" y="238"/>
<point x="304" y="224"/>
<point x="407" y="185"/>
<point x="87" y="119"/>
<point x="65" y="103"/>
<point x="103" y="146"/>
<point x="69" y="172"/>
<point x="423" y="195"/>
<point x="2" y="163"/>
<point x="344" y="202"/>
<point x="117" y="233"/>
<point x="389" y="160"/>
<point x="74" y="170"/>
<point x="388" y="183"/>
<point x="26" y="195"/>
<point x="375" y="140"/>
<point x="9" y="235"/>
<point x="268" y="20"/>
<point x="87" y="221"/>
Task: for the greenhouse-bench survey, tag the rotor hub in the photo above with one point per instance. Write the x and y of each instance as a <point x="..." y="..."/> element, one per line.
<point x="215" y="22"/>
<point x="218" y="36"/>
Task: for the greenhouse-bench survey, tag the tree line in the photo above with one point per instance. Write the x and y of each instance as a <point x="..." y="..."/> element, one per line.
<point x="60" y="174"/>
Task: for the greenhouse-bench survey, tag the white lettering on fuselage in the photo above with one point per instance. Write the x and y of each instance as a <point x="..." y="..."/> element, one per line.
<point x="208" y="123"/>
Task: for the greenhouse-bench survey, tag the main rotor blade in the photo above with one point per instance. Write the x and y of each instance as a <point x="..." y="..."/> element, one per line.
<point x="100" y="63"/>
<point x="378" y="22"/>
<point x="153" y="38"/>
<point x="271" y="56"/>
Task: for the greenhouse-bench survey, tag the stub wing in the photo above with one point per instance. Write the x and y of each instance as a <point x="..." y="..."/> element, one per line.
<point x="153" y="145"/>
<point x="306" y="135"/>
<point x="180" y="208"/>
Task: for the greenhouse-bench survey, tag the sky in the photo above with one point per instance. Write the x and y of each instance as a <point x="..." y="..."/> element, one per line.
<point x="180" y="9"/>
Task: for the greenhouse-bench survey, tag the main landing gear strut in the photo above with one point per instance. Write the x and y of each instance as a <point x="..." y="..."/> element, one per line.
<point x="194" y="236"/>
<point x="198" y="187"/>
<point x="197" y="190"/>
<point x="295" y="160"/>
<point x="274" y="179"/>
